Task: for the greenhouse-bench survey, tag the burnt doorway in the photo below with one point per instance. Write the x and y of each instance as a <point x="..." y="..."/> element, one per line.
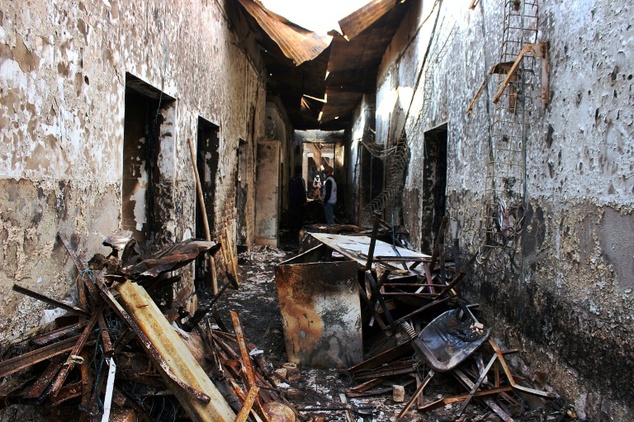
<point x="149" y="113"/>
<point x="207" y="157"/>
<point x="434" y="184"/>
<point x="241" y="194"/>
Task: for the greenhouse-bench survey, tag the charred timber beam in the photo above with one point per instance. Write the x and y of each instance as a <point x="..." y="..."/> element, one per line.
<point x="188" y="381"/>
<point x="145" y="342"/>
<point x="203" y="211"/>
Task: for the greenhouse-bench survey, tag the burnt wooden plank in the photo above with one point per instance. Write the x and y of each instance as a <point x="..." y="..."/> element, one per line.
<point x="147" y="345"/>
<point x="244" y="352"/>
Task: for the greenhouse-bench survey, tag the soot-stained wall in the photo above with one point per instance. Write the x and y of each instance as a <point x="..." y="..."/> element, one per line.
<point x="564" y="293"/>
<point x="65" y="70"/>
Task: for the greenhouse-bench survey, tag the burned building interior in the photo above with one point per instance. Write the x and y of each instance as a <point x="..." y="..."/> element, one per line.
<point x="154" y="267"/>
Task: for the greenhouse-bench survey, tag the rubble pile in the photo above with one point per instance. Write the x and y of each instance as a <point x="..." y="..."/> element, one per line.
<point x="115" y="356"/>
<point x="356" y="326"/>
<point x="416" y="327"/>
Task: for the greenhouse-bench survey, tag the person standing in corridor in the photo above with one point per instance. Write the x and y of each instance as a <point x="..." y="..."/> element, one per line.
<point x="330" y="195"/>
<point x="296" y="201"/>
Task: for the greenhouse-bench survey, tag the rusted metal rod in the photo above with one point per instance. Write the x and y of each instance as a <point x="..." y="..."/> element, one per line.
<point x="475" y="386"/>
<point x="65" y="306"/>
<point x="79" y="262"/>
<point x="383" y="357"/>
<point x="70" y="361"/>
<point x="248" y="404"/>
<point x="377" y="294"/>
<point x="108" y="350"/>
<point x="25" y="360"/>
<point x="375" y="229"/>
<point x="422" y="309"/>
<point x="52" y="336"/>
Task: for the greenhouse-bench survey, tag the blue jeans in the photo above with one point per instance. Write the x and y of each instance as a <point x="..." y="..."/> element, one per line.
<point x="329" y="210"/>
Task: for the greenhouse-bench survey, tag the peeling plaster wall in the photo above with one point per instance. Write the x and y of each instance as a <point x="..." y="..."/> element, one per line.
<point x="62" y="105"/>
<point x="568" y="302"/>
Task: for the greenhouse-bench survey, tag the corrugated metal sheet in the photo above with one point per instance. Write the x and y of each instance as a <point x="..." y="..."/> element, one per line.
<point x="360" y="20"/>
<point x="296" y="43"/>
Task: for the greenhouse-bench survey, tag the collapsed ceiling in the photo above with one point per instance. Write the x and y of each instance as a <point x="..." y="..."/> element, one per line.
<point x="321" y="84"/>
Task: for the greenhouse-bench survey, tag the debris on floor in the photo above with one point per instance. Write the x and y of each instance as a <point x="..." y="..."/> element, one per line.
<point x="352" y="326"/>
<point x="413" y="299"/>
<point x="114" y="354"/>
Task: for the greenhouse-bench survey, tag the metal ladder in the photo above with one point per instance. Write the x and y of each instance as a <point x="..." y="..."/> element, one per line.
<point x="505" y="166"/>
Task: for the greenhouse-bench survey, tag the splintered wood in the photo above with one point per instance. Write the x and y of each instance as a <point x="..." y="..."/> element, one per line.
<point x="116" y="354"/>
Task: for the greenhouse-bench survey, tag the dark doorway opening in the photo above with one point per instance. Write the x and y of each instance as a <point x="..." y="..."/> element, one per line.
<point x="434" y="184"/>
<point x="372" y="183"/>
<point x="207" y="157"/>
<point x="144" y="203"/>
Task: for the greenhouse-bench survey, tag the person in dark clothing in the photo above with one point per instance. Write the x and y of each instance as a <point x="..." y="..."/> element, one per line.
<point x="330" y="195"/>
<point x="296" y="201"/>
